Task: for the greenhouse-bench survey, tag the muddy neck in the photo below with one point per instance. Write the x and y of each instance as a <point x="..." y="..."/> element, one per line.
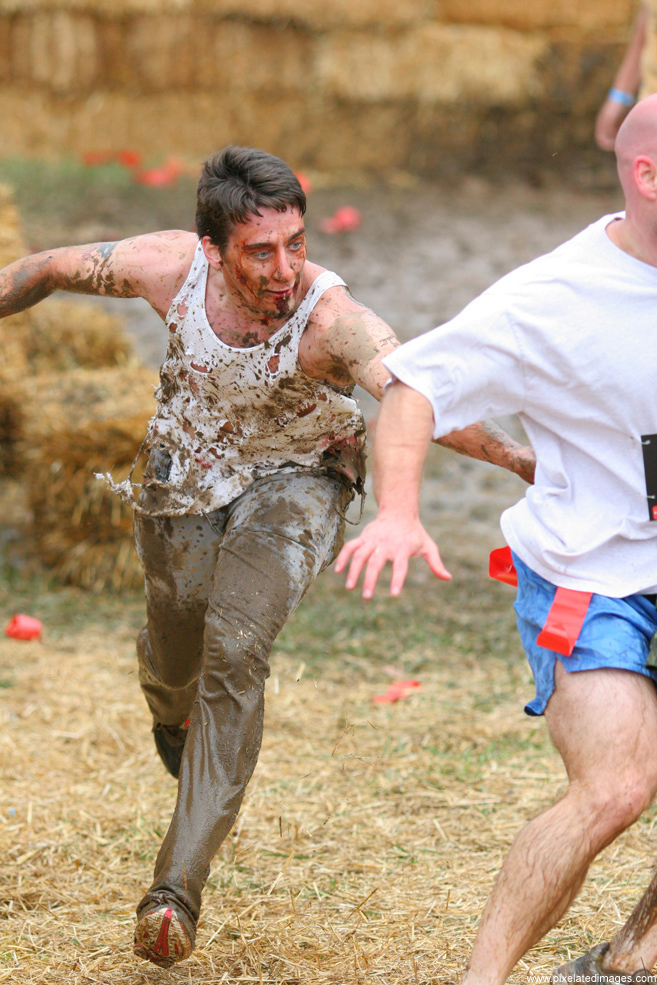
<point x="237" y="321"/>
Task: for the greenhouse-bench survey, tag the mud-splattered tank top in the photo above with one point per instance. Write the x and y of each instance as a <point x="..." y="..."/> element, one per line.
<point x="227" y="416"/>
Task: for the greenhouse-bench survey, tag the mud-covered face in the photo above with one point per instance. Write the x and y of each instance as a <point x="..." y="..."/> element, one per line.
<point x="263" y="263"/>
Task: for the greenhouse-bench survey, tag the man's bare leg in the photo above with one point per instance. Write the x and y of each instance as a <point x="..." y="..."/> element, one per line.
<point x="604" y="725"/>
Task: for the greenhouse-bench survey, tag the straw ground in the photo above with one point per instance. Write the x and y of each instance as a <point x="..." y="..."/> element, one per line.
<point x="370" y="834"/>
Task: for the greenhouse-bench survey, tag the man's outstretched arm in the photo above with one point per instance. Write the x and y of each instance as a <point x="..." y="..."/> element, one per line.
<point x="403" y="434"/>
<point x="151" y="266"/>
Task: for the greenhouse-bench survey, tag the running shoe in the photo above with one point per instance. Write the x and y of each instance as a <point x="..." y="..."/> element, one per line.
<point x="589" y="968"/>
<point x="164" y="934"/>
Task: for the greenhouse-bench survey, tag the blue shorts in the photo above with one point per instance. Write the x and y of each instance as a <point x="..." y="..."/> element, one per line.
<point x="615" y="633"/>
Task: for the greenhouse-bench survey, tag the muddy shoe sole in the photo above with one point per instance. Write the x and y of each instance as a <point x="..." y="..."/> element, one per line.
<point x="589" y="969"/>
<point x="160" y="937"/>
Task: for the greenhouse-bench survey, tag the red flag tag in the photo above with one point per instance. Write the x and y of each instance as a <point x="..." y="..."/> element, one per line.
<point x="567" y="613"/>
<point x="564" y="622"/>
<point x="500" y="566"/>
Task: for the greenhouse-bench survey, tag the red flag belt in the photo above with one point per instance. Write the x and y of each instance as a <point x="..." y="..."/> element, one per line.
<point x="564" y="621"/>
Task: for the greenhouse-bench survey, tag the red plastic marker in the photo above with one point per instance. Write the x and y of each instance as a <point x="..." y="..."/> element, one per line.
<point x="168" y="174"/>
<point x="396" y="691"/>
<point x="304" y="181"/>
<point x="129" y="158"/>
<point x="22" y="627"/>
<point x="156" y="177"/>
<point x="345" y="220"/>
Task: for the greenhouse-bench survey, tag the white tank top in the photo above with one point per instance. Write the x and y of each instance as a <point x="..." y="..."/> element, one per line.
<point x="227" y="416"/>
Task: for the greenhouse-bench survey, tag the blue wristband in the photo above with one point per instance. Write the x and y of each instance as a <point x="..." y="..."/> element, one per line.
<point x="618" y="96"/>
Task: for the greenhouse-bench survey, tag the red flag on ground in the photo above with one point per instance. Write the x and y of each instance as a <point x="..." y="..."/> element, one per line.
<point x="22" y="627"/>
<point x="345" y="220"/>
<point x="396" y="691"/>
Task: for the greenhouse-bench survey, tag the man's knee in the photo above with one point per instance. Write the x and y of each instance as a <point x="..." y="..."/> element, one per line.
<point x="614" y="803"/>
<point x="236" y="657"/>
<point x="167" y="660"/>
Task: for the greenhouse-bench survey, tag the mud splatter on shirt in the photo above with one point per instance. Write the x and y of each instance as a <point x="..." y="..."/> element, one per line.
<point x="227" y="416"/>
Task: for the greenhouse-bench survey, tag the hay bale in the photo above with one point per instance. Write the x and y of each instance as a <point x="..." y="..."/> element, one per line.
<point x="12" y="244"/>
<point x="30" y="405"/>
<point x="13" y="333"/>
<point x="434" y="63"/>
<point x="12" y="330"/>
<point x="11" y="427"/>
<point x="55" y="335"/>
<point x="82" y="531"/>
<point x="33" y="406"/>
<point x="65" y="334"/>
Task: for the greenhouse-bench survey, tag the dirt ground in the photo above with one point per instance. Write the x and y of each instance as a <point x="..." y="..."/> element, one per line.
<point x="370" y="834"/>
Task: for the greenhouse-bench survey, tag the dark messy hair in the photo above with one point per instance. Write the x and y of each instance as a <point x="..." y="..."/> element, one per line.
<point x="238" y="181"/>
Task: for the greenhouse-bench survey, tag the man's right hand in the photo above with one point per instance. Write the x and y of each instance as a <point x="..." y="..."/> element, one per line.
<point x="395" y="539"/>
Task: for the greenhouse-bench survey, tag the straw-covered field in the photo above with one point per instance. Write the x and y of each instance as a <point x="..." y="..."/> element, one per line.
<point x="370" y="833"/>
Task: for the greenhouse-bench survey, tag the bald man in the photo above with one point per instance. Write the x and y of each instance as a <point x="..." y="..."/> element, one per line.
<point x="569" y="342"/>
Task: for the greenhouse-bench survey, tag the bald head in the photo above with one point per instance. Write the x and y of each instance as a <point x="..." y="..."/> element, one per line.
<point x="637" y="138"/>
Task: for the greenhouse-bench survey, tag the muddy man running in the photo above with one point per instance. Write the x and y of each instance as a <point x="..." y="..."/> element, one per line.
<point x="254" y="453"/>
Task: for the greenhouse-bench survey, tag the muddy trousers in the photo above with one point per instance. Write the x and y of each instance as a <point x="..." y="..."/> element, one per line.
<point x="218" y="590"/>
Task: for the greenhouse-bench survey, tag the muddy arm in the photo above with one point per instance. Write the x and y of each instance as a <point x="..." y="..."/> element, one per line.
<point x="488" y="442"/>
<point x="152" y="267"/>
<point x="352" y="347"/>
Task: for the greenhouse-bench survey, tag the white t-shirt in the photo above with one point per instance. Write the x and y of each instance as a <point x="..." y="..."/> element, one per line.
<point x="569" y="343"/>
